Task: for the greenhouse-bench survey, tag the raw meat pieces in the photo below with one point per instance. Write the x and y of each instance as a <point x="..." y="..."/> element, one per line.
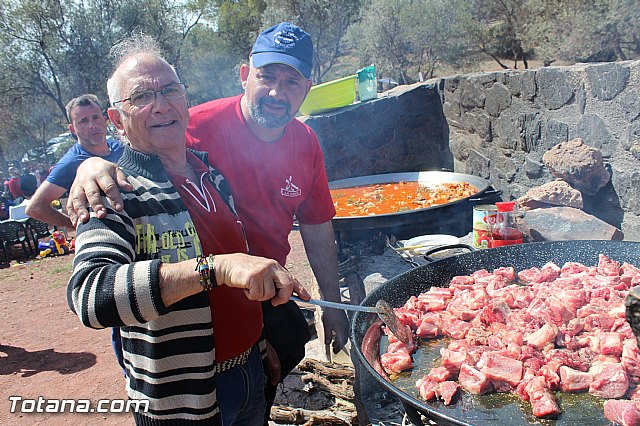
<point x="563" y="330"/>
<point x="622" y="412"/>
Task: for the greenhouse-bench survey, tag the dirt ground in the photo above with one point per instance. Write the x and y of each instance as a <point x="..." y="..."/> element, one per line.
<point x="46" y="352"/>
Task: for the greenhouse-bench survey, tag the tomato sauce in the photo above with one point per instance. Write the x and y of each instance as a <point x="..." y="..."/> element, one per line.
<point x="396" y="197"/>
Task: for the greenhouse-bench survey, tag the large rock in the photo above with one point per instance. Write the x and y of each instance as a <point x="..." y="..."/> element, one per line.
<point x="556" y="193"/>
<point x="567" y="223"/>
<point x="578" y="164"/>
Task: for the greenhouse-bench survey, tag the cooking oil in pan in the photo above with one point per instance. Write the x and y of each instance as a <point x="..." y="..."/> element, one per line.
<point x="494" y="408"/>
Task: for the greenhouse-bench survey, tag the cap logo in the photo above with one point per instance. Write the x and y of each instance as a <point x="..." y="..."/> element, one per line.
<point x="286" y="38"/>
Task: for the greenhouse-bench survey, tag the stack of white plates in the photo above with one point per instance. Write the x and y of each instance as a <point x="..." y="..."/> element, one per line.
<point x="423" y="243"/>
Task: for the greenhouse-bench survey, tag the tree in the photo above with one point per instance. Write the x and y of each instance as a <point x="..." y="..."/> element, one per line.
<point x="497" y="29"/>
<point x="326" y="21"/>
<point x="569" y="30"/>
<point x="210" y="66"/>
<point x="239" y="23"/>
<point x="405" y="38"/>
<point x="55" y="50"/>
<point x="586" y="30"/>
<point x="29" y="123"/>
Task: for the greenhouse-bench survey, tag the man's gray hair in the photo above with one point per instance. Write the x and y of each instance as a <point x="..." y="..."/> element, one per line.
<point x="82" y="100"/>
<point x="136" y="44"/>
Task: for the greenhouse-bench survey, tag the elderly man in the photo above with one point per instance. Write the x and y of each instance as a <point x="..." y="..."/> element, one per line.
<point x="275" y="169"/>
<point x="145" y="268"/>
<point x="88" y="123"/>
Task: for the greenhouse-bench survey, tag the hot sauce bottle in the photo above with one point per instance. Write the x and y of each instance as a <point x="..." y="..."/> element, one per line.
<point x="505" y="231"/>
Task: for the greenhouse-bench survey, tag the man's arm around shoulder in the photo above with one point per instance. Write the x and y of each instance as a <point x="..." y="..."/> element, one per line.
<point x="40" y="205"/>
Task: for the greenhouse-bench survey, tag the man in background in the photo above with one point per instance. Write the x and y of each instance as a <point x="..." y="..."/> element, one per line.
<point x="28" y="182"/>
<point x="13" y="183"/>
<point x="28" y="187"/>
<point x="88" y="124"/>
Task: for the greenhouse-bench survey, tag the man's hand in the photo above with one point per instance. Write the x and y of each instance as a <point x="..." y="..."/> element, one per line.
<point x="336" y="328"/>
<point x="94" y="176"/>
<point x="261" y="278"/>
<point x="320" y="245"/>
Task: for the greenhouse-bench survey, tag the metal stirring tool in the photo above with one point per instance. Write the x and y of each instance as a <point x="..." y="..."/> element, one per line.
<point x="384" y="311"/>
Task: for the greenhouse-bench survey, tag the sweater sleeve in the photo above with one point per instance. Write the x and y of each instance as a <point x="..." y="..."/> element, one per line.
<point x="108" y="287"/>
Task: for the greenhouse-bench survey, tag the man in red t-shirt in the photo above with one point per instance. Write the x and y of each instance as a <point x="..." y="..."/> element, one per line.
<point x="274" y="166"/>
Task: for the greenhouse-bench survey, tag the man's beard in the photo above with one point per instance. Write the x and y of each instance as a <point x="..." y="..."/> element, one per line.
<point x="266" y="120"/>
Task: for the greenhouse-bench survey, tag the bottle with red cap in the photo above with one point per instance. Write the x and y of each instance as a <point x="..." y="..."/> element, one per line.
<point x="505" y="231"/>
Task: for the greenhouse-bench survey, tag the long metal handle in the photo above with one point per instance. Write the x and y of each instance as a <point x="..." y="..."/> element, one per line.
<point x="335" y="305"/>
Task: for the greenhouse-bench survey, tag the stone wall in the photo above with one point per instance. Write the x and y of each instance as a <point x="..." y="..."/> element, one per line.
<point x="497" y="126"/>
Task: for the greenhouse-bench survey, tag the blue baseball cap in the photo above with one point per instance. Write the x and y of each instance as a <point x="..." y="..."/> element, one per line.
<point x="284" y="43"/>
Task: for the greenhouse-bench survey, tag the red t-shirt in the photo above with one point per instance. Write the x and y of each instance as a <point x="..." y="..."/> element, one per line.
<point x="270" y="182"/>
<point x="237" y="321"/>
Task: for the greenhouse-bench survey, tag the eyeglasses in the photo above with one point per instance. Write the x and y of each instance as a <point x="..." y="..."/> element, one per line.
<point x="145" y="97"/>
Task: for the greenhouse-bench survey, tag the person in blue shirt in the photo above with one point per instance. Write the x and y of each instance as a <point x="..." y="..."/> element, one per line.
<point x="89" y="125"/>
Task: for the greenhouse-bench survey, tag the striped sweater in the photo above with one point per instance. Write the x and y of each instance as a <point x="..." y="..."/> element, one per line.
<point x="168" y="351"/>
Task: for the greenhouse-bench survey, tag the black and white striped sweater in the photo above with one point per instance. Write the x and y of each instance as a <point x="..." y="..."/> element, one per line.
<point x="168" y="351"/>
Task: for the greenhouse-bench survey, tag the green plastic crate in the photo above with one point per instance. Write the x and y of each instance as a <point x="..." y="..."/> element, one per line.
<point x="330" y="95"/>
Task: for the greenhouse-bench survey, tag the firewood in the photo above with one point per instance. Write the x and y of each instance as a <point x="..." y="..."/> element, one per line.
<point x="324" y="380"/>
<point x="330" y="370"/>
<point x="308" y="418"/>
<point x="343" y="391"/>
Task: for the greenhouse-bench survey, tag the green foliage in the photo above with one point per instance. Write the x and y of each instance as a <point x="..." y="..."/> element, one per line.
<point x="551" y="30"/>
<point x="327" y="21"/>
<point x="209" y="66"/>
<point x="54" y="50"/>
<point x="239" y="24"/>
<point x="599" y="30"/>
<point x="406" y="37"/>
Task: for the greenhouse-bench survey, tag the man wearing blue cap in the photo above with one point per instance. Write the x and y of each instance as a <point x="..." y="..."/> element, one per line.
<point x="275" y="169"/>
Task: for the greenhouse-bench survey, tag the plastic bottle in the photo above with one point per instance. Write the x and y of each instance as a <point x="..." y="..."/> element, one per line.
<point x="367" y="83"/>
<point x="505" y="231"/>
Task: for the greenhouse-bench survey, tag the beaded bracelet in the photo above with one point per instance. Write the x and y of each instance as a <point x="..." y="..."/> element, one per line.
<point x="206" y="272"/>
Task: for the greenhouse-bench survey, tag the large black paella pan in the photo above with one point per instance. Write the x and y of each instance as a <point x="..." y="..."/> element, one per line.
<point x="453" y="218"/>
<point x="491" y="409"/>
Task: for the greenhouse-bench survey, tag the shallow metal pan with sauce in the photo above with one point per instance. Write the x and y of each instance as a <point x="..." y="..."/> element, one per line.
<point x="492" y="409"/>
<point x="451" y="218"/>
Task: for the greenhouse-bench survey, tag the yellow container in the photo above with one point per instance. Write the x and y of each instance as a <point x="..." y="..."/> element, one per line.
<point x="330" y="95"/>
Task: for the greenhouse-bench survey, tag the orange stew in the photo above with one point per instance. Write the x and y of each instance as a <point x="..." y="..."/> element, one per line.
<point x="396" y="197"/>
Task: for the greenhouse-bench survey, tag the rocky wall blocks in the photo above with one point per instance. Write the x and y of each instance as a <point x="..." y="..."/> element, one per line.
<point x="555" y="88"/>
<point x="594" y="132"/>
<point x="627" y="186"/>
<point x="522" y="84"/>
<point x="498" y="99"/>
<point x="630" y="105"/>
<point x="631" y="227"/>
<point x="607" y="80"/>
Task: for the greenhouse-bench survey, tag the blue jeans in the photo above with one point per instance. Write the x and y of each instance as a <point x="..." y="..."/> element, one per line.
<point x="240" y="392"/>
<point x="116" y="343"/>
